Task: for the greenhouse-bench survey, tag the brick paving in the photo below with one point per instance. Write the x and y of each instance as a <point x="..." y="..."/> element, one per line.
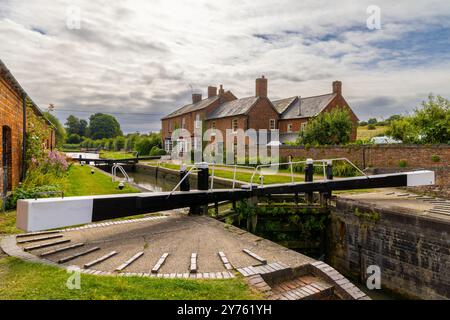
<point x="184" y="247"/>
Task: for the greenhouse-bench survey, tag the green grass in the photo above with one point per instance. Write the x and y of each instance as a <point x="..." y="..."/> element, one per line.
<point x="24" y="280"/>
<point x="81" y="182"/>
<point x="116" y="155"/>
<point x="366" y="134"/>
<point x="8" y="223"/>
<point x="244" y="176"/>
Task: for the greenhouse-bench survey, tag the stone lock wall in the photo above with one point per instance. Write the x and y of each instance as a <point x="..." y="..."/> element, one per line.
<point x="412" y="251"/>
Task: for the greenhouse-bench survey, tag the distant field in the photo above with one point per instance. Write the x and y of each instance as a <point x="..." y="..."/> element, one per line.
<point x="366" y="134"/>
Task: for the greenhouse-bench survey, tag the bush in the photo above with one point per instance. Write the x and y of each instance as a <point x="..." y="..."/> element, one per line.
<point x="119" y="143"/>
<point x="144" y="146"/>
<point x="371" y="127"/>
<point x="157" y="151"/>
<point x="73" y="138"/>
<point x="328" y="128"/>
<point x="402" y="164"/>
<point x="435" y="158"/>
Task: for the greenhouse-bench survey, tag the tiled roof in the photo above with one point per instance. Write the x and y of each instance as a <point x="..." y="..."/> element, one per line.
<point x="233" y="108"/>
<point x="192" y="107"/>
<point x="282" y="104"/>
<point x="309" y="106"/>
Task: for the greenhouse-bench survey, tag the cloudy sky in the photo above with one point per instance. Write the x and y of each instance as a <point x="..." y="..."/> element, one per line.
<point x="140" y="59"/>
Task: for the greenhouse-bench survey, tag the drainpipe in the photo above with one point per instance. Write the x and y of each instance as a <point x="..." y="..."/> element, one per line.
<point x="24" y="138"/>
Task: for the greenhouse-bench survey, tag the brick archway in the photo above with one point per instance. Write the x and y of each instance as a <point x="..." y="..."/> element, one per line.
<point x="6" y="159"/>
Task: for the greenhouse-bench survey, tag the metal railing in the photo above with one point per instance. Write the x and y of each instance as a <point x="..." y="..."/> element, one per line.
<point x="121" y="169"/>
<point x="258" y="170"/>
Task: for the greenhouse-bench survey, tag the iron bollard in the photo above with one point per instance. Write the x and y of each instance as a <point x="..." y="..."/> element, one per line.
<point x="309" y="170"/>
<point x="185" y="185"/>
<point x="203" y="176"/>
<point x="329" y="170"/>
<point x="202" y="184"/>
<point x="309" y="177"/>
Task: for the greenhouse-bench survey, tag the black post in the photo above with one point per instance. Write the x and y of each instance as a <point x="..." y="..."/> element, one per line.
<point x="203" y="176"/>
<point x="309" y="177"/>
<point x="202" y="184"/>
<point x="185" y="185"/>
<point x="329" y="172"/>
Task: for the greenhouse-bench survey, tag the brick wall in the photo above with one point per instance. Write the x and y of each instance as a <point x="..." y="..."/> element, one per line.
<point x="411" y="250"/>
<point x="382" y="156"/>
<point x="11" y="115"/>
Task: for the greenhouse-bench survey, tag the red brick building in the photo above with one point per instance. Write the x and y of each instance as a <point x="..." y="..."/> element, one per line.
<point x="224" y="111"/>
<point x="13" y="101"/>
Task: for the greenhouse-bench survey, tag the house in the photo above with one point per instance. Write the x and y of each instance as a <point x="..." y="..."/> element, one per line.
<point x="295" y="112"/>
<point x="224" y="111"/>
<point x="13" y="121"/>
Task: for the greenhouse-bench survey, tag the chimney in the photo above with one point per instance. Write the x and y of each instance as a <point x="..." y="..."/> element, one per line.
<point x="337" y="87"/>
<point x="196" y="97"/>
<point x="221" y="91"/>
<point x="299" y="106"/>
<point x="261" y="87"/>
<point x="212" y="91"/>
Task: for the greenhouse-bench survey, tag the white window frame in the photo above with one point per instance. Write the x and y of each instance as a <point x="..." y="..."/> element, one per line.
<point x="183" y="123"/>
<point x="213" y="128"/>
<point x="303" y="126"/>
<point x="272" y="124"/>
<point x="289" y="127"/>
<point x="234" y="121"/>
<point x="168" y="145"/>
<point x="197" y="121"/>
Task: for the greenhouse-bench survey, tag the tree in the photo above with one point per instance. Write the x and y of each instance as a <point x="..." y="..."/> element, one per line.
<point x="103" y="126"/>
<point x="73" y="138"/>
<point x="428" y="124"/>
<point x="60" y="133"/>
<point x="119" y="143"/>
<point x="143" y="146"/>
<point x="72" y="125"/>
<point x="157" y="151"/>
<point x="328" y="128"/>
<point x="372" y="121"/>
<point x="83" y="128"/>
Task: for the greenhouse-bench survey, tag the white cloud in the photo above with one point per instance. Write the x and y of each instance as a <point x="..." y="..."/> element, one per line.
<point x="141" y="56"/>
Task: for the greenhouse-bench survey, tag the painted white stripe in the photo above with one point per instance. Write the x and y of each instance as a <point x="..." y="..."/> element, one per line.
<point x="420" y="178"/>
<point x="50" y="213"/>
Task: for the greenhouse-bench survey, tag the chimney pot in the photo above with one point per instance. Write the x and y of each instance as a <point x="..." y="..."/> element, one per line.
<point x="212" y="91"/>
<point x="196" y="97"/>
<point x="261" y="87"/>
<point x="221" y="90"/>
<point x="337" y="87"/>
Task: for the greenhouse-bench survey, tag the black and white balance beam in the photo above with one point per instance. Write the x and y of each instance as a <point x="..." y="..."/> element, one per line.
<point x="51" y="213"/>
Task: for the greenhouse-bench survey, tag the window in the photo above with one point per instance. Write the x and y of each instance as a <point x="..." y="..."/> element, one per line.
<point x="303" y="126"/>
<point x="168" y="145"/>
<point x="170" y="126"/>
<point x="272" y="124"/>
<point x="234" y="125"/>
<point x="213" y="127"/>
<point x="289" y="127"/>
<point x="197" y="121"/>
<point x="183" y="123"/>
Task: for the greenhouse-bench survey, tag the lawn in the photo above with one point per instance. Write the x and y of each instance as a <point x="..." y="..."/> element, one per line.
<point x="246" y="176"/>
<point x="24" y="280"/>
<point x="81" y="182"/>
<point x="116" y="155"/>
<point x="366" y="134"/>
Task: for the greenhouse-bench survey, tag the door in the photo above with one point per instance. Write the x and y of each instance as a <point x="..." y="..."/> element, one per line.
<point x="6" y="159"/>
